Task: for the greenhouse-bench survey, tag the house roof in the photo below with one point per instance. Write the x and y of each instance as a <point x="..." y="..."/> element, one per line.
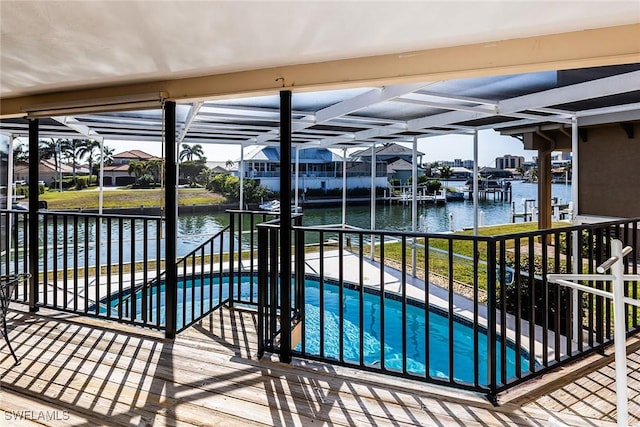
<point x="388" y="149"/>
<point x="458" y="169"/>
<point x="134" y="155"/>
<point x="400" y="165"/>
<point x="309" y="155"/>
<point x="116" y="168"/>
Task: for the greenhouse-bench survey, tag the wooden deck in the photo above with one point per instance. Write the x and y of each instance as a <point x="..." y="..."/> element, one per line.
<point x="77" y="371"/>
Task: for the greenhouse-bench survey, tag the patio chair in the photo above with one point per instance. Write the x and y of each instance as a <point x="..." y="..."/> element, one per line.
<point x="8" y="286"/>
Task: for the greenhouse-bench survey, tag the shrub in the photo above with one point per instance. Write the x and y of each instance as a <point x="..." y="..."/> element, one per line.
<point x="433" y="185"/>
<point x="82" y="182"/>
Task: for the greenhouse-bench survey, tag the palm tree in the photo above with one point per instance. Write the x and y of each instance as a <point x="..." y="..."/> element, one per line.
<point x="20" y="153"/>
<point x="88" y="150"/>
<point x="138" y="168"/>
<point x="445" y="173"/>
<point x="229" y="164"/>
<point x="156" y="168"/>
<point x="53" y="149"/>
<point x="107" y="155"/>
<point x="188" y="152"/>
<point x="71" y="153"/>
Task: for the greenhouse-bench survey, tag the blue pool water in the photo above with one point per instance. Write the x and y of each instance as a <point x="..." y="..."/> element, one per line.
<point x="192" y="294"/>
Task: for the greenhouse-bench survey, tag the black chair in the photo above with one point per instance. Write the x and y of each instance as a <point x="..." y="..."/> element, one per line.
<point x="8" y="285"/>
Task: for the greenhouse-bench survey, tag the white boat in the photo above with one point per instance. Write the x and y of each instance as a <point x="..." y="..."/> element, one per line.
<point x="274" y="206"/>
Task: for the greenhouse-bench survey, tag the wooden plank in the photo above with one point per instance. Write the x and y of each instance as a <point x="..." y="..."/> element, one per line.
<point x="209" y="375"/>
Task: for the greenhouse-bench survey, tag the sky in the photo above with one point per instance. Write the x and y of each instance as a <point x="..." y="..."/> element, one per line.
<point x="447" y="147"/>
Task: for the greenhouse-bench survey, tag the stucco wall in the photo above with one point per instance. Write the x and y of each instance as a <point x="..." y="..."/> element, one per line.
<point x="609" y="172"/>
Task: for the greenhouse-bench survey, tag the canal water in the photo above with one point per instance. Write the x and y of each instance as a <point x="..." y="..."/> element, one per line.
<point x="437" y="217"/>
<point x="194" y="229"/>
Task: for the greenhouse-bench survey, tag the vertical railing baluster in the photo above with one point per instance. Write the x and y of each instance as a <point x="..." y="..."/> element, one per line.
<point x="341" y="295"/>
<point x="545" y="302"/>
<point x="86" y="265"/>
<point x="120" y="266"/>
<point x="132" y="287"/>
<point x="109" y="244"/>
<point x="518" y="297"/>
<point x="450" y="311"/>
<point x="98" y="265"/>
<point x="144" y="305"/>
<point x="263" y="278"/>
<point x="403" y="294"/>
<point x="45" y="256"/>
<point x="76" y="238"/>
<point x="503" y="311"/>
<point x="361" y="285"/>
<point x="232" y="238"/>
<point x="382" y="302"/>
<point x="321" y="288"/>
<point x="65" y="262"/>
<point x="476" y="306"/>
<point x="492" y="382"/>
<point x="427" y="308"/>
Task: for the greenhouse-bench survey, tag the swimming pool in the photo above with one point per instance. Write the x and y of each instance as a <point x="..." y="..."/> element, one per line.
<point x="194" y="296"/>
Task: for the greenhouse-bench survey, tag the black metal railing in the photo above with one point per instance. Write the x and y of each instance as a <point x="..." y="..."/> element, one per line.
<point x="14" y="255"/>
<point x="472" y="312"/>
<point x="89" y="263"/>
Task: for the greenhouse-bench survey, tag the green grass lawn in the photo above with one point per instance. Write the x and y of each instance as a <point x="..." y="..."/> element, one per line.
<point x="126" y="198"/>
<point x="462" y="269"/>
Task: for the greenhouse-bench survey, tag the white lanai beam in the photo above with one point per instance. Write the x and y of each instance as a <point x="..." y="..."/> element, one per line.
<point x="344" y="187"/>
<point x="193" y="113"/>
<point x="372" y="97"/>
<point x="297" y="147"/>
<point x="374" y="170"/>
<point x="82" y="129"/>
<point x="241" y="173"/>
<point x="414" y="202"/>
<point x="614" y="85"/>
<point x="475" y="183"/>
<point x="593" y="89"/>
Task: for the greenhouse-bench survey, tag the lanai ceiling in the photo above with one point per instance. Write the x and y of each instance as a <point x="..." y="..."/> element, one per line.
<point x="51" y="49"/>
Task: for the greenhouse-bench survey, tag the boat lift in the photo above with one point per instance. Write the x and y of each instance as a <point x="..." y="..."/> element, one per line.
<point x="617" y="276"/>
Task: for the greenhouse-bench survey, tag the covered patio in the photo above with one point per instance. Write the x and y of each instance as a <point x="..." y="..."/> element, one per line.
<point x="93" y="371"/>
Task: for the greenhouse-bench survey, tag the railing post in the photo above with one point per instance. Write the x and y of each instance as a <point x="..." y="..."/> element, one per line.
<point x="299" y="268"/>
<point x="285" y="226"/>
<point x="34" y="164"/>
<point x="491" y="321"/>
<point x="232" y="246"/>
<point x="263" y="283"/>
<point x="171" y="211"/>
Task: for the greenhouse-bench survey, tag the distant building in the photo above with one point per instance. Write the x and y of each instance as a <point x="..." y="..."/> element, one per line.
<point x="319" y="168"/>
<point x="457" y="163"/>
<point x="117" y="173"/>
<point x="47" y="171"/>
<point x="399" y="160"/>
<point x="509" y="162"/>
<point x="220" y="167"/>
<point x="459" y="173"/>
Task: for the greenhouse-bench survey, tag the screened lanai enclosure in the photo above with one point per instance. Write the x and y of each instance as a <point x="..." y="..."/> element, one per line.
<point x="464" y="310"/>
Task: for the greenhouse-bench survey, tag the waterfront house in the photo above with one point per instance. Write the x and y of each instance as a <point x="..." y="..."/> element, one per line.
<point x="319" y="169"/>
<point x="117" y="173"/>
<point x="47" y="171"/>
<point x="399" y="160"/>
